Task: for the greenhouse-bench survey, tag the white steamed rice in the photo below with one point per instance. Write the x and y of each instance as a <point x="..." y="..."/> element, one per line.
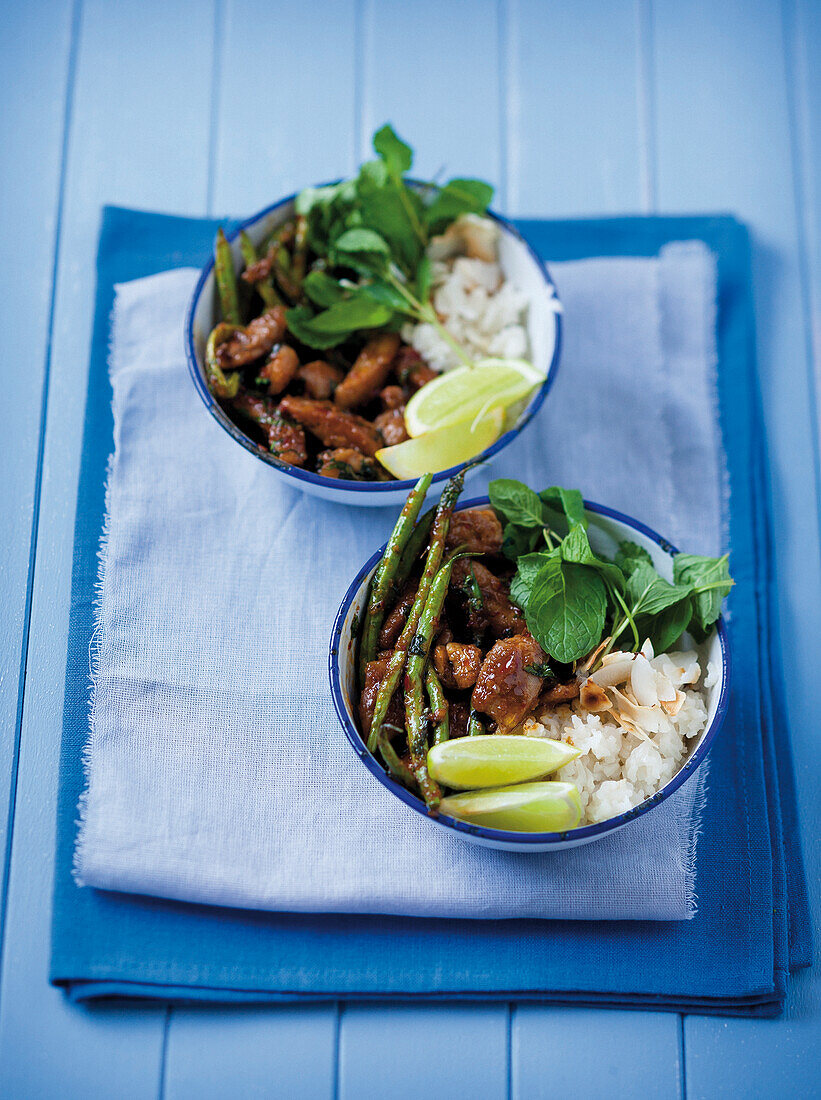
<point x="482" y="311"/>
<point x="618" y="770"/>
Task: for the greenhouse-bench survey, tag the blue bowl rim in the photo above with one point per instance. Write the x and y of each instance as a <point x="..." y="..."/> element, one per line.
<point x="337" y="485"/>
<point x="499" y="835"/>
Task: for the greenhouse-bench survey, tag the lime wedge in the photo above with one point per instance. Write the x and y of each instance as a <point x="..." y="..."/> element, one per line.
<point x="467" y="391"/>
<point x="443" y="448"/>
<point x="524" y="808"/>
<point x="496" y="759"/>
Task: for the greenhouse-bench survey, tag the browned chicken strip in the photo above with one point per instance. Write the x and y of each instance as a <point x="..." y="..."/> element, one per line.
<point x="280" y="368"/>
<point x="374" y="675"/>
<point x="395" y="620"/>
<point x="285" y="439"/>
<point x="320" y="378"/>
<point x="369" y="373"/>
<point x="504" y="688"/>
<point x="333" y="426"/>
<point x="497" y="613"/>
<point x="393" y="397"/>
<point x="457" y="665"/>
<point x="348" y="463"/>
<point x="254" y="341"/>
<point x="411" y="369"/>
<point x="478" y="530"/>
<point x="391" y="424"/>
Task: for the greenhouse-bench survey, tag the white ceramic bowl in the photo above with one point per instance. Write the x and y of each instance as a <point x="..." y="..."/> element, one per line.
<point x="520" y="264"/>
<point x="606" y="529"/>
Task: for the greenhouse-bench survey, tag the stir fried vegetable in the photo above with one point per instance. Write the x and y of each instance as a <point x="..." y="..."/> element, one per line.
<point x="312" y="321"/>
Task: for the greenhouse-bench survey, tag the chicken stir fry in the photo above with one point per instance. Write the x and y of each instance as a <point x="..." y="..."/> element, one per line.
<point x="330" y="415"/>
<point x="444" y="652"/>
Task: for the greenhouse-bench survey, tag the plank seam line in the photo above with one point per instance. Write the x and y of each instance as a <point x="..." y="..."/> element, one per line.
<point x="214" y="116"/>
<point x="71" y="80"/>
<point x="798" y="115"/>
<point x="362" y="14"/>
<point x="682" y="1077"/>
<point x="166" y="1028"/>
<point x="502" y="54"/>
<point x="336" y="1068"/>
<point x="511" y="1008"/>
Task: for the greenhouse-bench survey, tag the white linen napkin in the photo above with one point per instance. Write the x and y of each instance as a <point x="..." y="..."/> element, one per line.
<point x="216" y="769"/>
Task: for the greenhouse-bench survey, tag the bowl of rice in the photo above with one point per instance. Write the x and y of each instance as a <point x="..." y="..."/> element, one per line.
<point x="491" y="292"/>
<point x="632" y="754"/>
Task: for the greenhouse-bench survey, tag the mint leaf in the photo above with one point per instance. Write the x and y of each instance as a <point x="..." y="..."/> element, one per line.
<point x="459" y="196"/>
<point x="519" y="540"/>
<point x="567" y="501"/>
<point x="699" y="572"/>
<point x="300" y="324"/>
<point x="390" y="207"/>
<point x="576" y="548"/>
<point x="398" y="156"/>
<point x="650" y="593"/>
<point x="362" y="240"/>
<point x="629" y="555"/>
<point x="322" y="289"/>
<point x="528" y="567"/>
<point x="516" y="502"/>
<point x="566" y="610"/>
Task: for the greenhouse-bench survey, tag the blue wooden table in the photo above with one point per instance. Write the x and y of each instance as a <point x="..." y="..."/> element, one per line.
<point x="571" y="107"/>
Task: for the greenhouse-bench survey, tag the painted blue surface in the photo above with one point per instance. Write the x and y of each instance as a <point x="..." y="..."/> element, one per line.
<point x="573" y="108"/>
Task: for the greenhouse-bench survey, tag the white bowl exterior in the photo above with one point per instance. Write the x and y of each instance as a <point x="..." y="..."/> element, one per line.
<point x="518" y="265"/>
<point x="605" y="533"/>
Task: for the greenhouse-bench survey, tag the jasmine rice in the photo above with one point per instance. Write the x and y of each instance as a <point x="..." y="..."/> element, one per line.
<point x="628" y="755"/>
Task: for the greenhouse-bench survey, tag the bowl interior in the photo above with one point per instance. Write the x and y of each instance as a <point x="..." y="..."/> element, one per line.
<point x="520" y="265"/>
<point x="606" y="529"/>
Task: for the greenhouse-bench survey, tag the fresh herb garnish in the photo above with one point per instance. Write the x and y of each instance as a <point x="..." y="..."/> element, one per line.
<point x="370" y="235"/>
<point x="570" y="594"/>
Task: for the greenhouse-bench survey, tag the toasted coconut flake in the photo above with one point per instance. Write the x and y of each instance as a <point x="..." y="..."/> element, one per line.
<point x="591" y="658"/>
<point x="593" y="697"/>
<point x="672" y="707"/>
<point x="647" y="649"/>
<point x="646" y="717"/>
<point x="616" y="672"/>
<point x="617" y="655"/>
<point x="665" y="689"/>
<point x="643" y="682"/>
<point x="631" y="727"/>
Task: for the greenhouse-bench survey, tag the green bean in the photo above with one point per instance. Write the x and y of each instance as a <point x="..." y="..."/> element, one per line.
<point x="226" y="280"/>
<point x="398" y="769"/>
<point x="265" y="286"/>
<point x="413" y="549"/>
<point x="475" y="727"/>
<point x="439" y="710"/>
<point x="280" y="234"/>
<point x="300" y="250"/>
<point x="284" y="273"/>
<point x="436" y="550"/>
<point x="385" y="572"/>
<point x="218" y="383"/>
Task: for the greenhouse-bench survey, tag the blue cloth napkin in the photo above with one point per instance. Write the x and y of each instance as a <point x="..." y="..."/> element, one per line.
<point x="752" y="924"/>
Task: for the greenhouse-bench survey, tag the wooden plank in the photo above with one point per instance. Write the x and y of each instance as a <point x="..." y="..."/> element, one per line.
<point x="461" y="1051"/>
<point x="34" y="57"/>
<point x="436" y="74"/>
<point x="308" y="138"/>
<point x="550" y="1046"/>
<point x="724" y="142"/>
<point x="576" y="141"/>
<point x="251" y="1052"/>
<point x="309" y="81"/>
<point x="138" y="135"/>
<point x="578" y="146"/>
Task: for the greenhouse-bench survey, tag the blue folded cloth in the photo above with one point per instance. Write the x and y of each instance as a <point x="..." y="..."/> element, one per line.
<point x="752" y="923"/>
